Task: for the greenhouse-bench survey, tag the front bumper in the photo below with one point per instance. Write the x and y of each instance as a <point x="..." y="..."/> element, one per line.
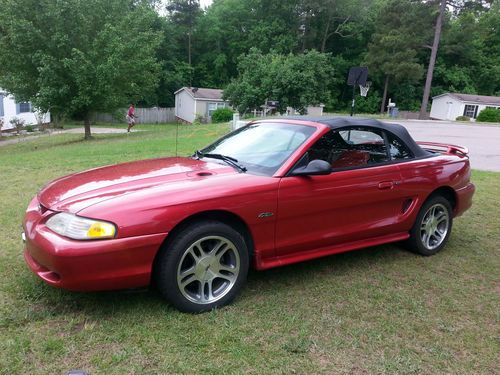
<point x="87" y="265"/>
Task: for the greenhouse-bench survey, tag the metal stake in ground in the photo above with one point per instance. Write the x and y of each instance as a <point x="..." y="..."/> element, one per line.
<point x="357" y="76"/>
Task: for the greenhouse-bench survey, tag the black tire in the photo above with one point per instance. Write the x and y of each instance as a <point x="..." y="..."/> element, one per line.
<point x="200" y="251"/>
<point x="419" y="241"/>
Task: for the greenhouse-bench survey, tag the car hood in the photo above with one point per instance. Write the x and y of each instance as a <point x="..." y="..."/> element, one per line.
<point x="80" y="190"/>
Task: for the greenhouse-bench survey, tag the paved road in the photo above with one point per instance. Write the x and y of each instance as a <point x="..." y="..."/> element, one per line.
<point x="483" y="141"/>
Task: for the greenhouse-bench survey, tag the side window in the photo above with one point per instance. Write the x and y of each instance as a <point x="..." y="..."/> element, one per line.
<point x="366" y="146"/>
<point x="328" y="148"/>
<point x="397" y="148"/>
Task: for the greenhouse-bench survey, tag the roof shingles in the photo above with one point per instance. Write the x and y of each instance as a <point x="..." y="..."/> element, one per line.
<point x="204" y="93"/>
<point x="480" y="99"/>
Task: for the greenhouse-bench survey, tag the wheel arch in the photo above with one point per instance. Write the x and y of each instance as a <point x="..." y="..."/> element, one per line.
<point x="446" y="192"/>
<point x="223" y="216"/>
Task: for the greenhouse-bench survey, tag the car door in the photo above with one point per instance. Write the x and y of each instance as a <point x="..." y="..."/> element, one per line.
<point x="360" y="199"/>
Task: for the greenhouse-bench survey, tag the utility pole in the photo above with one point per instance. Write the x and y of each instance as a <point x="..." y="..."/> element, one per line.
<point x="432" y="61"/>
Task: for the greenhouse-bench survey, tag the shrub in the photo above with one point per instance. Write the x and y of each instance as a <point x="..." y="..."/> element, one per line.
<point x="30" y="128"/>
<point x="489" y="115"/>
<point x="199" y="119"/>
<point x="18" y="124"/>
<point x="222" y="115"/>
<point x="463" y="118"/>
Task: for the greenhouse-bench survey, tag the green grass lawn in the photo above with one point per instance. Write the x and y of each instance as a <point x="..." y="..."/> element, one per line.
<point x="378" y="310"/>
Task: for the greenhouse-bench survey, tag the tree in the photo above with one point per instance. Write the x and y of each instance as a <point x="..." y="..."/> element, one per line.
<point x="183" y="14"/>
<point x="293" y="80"/>
<point x="432" y="59"/>
<point x="392" y="51"/>
<point x="75" y="57"/>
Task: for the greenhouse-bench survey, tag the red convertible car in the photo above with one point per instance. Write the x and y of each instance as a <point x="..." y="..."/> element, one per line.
<point x="272" y="193"/>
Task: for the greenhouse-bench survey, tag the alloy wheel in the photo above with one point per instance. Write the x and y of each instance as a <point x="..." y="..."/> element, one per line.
<point x="434" y="227"/>
<point x="208" y="269"/>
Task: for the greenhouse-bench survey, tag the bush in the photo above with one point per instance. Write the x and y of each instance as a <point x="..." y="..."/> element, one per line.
<point x="199" y="119"/>
<point x="18" y="124"/>
<point x="222" y="115"/>
<point x="30" y="128"/>
<point x="462" y="118"/>
<point x="489" y="115"/>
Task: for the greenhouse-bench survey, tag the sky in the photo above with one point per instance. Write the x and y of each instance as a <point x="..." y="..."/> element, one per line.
<point x="205" y="3"/>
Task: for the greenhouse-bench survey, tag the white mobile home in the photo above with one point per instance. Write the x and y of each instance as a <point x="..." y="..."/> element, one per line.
<point x="10" y="109"/>
<point x="449" y="106"/>
<point x="193" y="101"/>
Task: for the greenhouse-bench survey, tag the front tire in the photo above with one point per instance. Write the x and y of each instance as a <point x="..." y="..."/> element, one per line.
<point x="432" y="227"/>
<point x="203" y="267"/>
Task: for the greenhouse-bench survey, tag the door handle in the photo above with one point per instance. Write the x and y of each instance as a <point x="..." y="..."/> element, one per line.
<point x="384" y="185"/>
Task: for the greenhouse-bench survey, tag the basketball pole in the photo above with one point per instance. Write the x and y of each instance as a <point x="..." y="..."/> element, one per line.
<point x="353" y="98"/>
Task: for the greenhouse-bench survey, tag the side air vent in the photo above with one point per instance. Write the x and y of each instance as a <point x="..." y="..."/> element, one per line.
<point x="406" y="205"/>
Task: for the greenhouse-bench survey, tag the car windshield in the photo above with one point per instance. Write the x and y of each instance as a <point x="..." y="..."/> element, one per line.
<point x="261" y="148"/>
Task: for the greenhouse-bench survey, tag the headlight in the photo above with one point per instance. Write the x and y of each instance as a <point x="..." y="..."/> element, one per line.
<point x="80" y="228"/>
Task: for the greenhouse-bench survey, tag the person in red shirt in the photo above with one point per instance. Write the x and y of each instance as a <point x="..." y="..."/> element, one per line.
<point x="130" y="117"/>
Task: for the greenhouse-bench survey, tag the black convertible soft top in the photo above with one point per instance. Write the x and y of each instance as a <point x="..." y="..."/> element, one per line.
<point x="340" y="122"/>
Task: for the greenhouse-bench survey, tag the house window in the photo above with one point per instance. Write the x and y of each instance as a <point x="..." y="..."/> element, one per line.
<point x="1" y="105"/>
<point x="23" y="107"/>
<point x="213" y="106"/>
<point x="470" y="111"/>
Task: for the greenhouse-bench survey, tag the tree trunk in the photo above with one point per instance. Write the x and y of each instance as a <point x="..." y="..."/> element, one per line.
<point x="384" y="97"/>
<point x="325" y="36"/>
<point x="87" y="126"/>
<point x="432" y="61"/>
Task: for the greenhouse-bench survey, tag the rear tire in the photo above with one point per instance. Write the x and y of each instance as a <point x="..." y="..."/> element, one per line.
<point x="204" y="267"/>
<point x="432" y="227"/>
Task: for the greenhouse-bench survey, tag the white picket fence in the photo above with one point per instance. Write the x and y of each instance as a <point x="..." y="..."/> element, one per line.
<point x="153" y="115"/>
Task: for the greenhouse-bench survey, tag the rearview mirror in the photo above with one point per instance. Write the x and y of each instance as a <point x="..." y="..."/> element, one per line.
<point x="314" y="168"/>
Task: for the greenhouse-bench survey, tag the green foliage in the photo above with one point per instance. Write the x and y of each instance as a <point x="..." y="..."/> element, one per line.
<point x="368" y="104"/>
<point x="222" y="115"/>
<point x="489" y="114"/>
<point x="199" y="119"/>
<point x="18" y="123"/>
<point x="463" y="118"/>
<point x="73" y="56"/>
<point x="29" y="128"/>
<point x="293" y="80"/>
<point x="77" y="56"/>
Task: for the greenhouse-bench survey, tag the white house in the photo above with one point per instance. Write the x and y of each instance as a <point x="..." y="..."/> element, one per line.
<point x="451" y="105"/>
<point x="10" y="109"/>
<point x="193" y="101"/>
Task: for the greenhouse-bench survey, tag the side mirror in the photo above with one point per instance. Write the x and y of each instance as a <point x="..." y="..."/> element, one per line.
<point x="314" y="168"/>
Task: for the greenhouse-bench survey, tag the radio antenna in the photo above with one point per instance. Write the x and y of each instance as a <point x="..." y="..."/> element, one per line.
<point x="176" y="136"/>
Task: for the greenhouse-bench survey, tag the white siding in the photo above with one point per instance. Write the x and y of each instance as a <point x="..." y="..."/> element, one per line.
<point x="447" y="107"/>
<point x="10" y="111"/>
<point x="185" y="106"/>
<point x="201" y="109"/>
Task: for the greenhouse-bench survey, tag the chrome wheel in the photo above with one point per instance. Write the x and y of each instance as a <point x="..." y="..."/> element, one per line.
<point x="208" y="269"/>
<point x="435" y="226"/>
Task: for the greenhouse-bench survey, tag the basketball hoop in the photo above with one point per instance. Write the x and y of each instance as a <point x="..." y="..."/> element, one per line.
<point x="364" y="89"/>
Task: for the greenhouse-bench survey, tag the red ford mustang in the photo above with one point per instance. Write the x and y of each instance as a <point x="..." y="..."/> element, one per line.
<point x="271" y="193"/>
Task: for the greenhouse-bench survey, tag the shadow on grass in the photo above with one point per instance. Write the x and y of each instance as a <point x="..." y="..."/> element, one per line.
<point x="44" y="301"/>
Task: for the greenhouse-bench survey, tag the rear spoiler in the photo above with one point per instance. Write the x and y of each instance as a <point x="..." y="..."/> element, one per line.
<point x="449" y="149"/>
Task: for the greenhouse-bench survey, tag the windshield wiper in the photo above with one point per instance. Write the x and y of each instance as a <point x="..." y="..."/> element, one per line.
<point x="227" y="159"/>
